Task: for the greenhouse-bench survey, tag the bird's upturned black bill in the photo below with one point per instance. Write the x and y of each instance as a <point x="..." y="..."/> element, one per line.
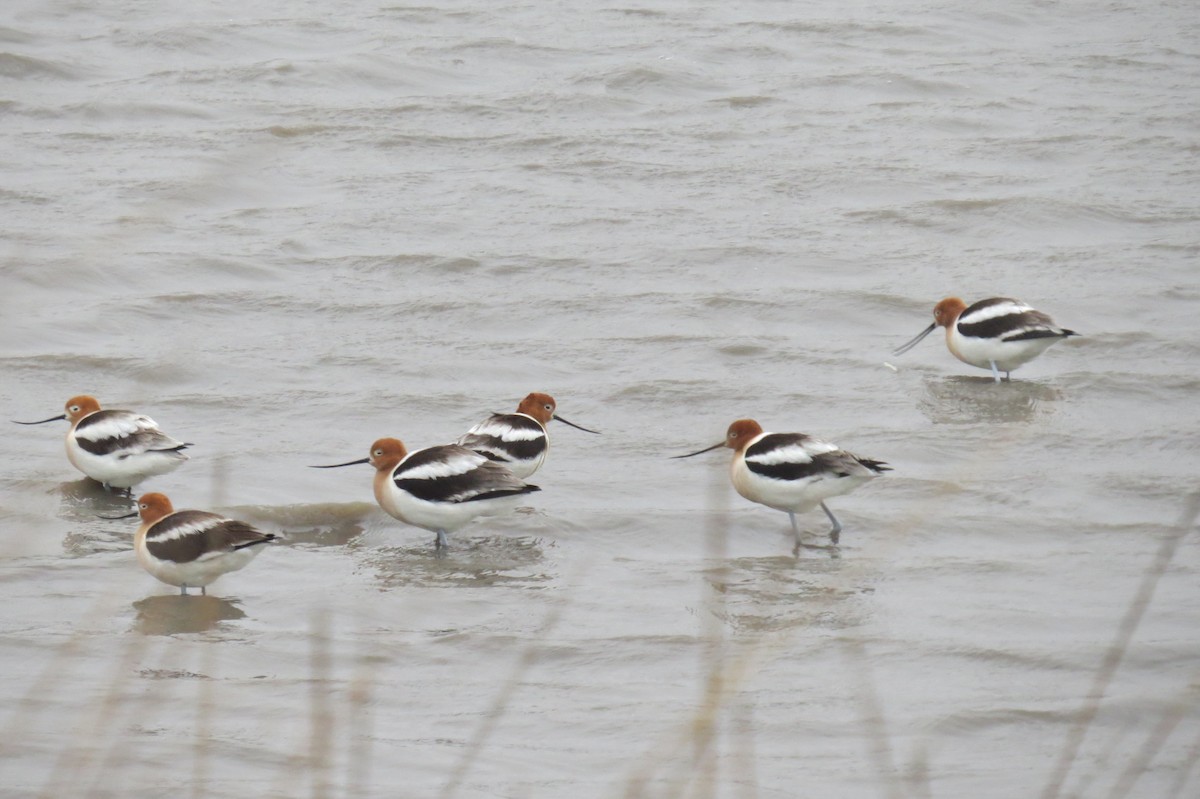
<point x="339" y="465"/>
<point x="920" y="336"/>
<point x="122" y="516"/>
<point x="58" y="418"/>
<point x="699" y="451"/>
<point x="577" y="427"/>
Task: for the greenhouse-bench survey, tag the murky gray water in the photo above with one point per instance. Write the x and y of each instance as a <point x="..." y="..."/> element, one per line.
<point x="285" y="230"/>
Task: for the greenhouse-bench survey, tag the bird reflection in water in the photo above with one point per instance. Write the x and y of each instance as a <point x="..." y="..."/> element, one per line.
<point x="173" y="614"/>
<point x="83" y="499"/>
<point x="962" y="400"/>
<point x="773" y="594"/>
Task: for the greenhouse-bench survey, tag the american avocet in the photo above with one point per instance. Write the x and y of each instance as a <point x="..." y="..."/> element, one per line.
<point x="439" y="488"/>
<point x="191" y="547"/>
<point x="998" y="333"/>
<point x="517" y="440"/>
<point x="792" y="472"/>
<point x="116" y="448"/>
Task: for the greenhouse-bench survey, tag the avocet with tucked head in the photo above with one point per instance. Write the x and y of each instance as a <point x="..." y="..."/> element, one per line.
<point x="792" y="472"/>
<point x="998" y="333"/>
<point x="117" y="448"/>
<point x="191" y="548"/>
<point x="517" y="440"/>
<point x="439" y="488"/>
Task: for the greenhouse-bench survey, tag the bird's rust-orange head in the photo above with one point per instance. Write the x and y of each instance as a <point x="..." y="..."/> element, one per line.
<point x="386" y="453"/>
<point x="538" y="405"/>
<point x="81" y="406"/>
<point x="154" y="506"/>
<point x="946" y="312"/>
<point x="740" y="434"/>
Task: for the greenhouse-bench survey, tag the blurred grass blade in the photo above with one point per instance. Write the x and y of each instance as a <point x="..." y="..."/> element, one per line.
<point x="1120" y="645"/>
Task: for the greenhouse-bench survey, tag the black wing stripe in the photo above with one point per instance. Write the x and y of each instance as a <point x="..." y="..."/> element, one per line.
<point x="1027" y="335"/>
<point x="495" y="448"/>
<point x="773" y="441"/>
<point x="99" y="417"/>
<point x="787" y="471"/>
<point x="829" y="464"/>
<point x="223" y="536"/>
<point x="456" y="488"/>
<point x="996" y="327"/>
<point x="506" y="492"/>
<point x="137" y="442"/>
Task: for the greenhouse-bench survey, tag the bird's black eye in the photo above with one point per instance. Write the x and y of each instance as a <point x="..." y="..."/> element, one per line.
<point x="378" y="453"/>
<point x="549" y="407"/>
<point x="74" y="409"/>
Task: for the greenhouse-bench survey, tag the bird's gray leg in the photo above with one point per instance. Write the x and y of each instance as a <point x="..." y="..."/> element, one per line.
<point x="795" y="532"/>
<point x="441" y="542"/>
<point x="203" y="590"/>
<point x="836" y="532"/>
<point x="995" y="371"/>
<point x="183" y="590"/>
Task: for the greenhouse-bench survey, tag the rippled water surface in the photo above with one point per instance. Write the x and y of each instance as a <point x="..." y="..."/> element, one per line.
<point x="285" y="230"/>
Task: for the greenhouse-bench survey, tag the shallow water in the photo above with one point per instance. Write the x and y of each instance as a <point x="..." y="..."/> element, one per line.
<point x="284" y="232"/>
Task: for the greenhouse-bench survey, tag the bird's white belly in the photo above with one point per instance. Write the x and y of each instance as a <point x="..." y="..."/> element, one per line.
<point x="794" y="496"/>
<point x="121" y="472"/>
<point x="199" y="572"/>
<point x="434" y="516"/>
<point x="1008" y="355"/>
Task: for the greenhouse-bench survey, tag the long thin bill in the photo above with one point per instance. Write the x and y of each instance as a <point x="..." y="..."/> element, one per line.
<point x="340" y="465"/>
<point x="122" y="516"/>
<point x="60" y="417"/>
<point x="915" y="341"/>
<point x="699" y="451"/>
<point x="577" y="427"/>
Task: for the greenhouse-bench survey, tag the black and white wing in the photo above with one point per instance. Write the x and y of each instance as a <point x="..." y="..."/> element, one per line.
<point x="191" y="535"/>
<point x="123" y="433"/>
<point x="453" y="473"/>
<point x="1006" y="319"/>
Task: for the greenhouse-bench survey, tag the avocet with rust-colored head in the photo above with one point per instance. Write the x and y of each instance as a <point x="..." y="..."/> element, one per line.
<point x="517" y="440"/>
<point x="998" y="333"/>
<point x="439" y="488"/>
<point x="191" y="548"/>
<point x="116" y="448"/>
<point x="792" y="472"/>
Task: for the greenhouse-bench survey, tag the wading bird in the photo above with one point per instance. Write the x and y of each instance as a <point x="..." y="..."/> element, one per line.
<point x="517" y="440"/>
<point x="998" y="333"/>
<point x="191" y="548"/>
<point x="439" y="488"/>
<point x="116" y="448"/>
<point x="792" y="472"/>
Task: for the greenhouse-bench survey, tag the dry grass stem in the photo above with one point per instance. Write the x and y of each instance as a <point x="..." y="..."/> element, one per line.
<point x="1120" y="645"/>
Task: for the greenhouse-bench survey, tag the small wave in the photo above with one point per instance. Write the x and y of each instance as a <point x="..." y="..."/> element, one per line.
<point x="747" y="101"/>
<point x="21" y="67"/>
<point x="652" y="80"/>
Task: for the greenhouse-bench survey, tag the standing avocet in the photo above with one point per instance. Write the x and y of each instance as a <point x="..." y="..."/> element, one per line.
<point x="792" y="472"/>
<point x="439" y="488"/>
<point x="191" y="548"/>
<point x="998" y="333"/>
<point x="116" y="448"/>
<point x="517" y="440"/>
